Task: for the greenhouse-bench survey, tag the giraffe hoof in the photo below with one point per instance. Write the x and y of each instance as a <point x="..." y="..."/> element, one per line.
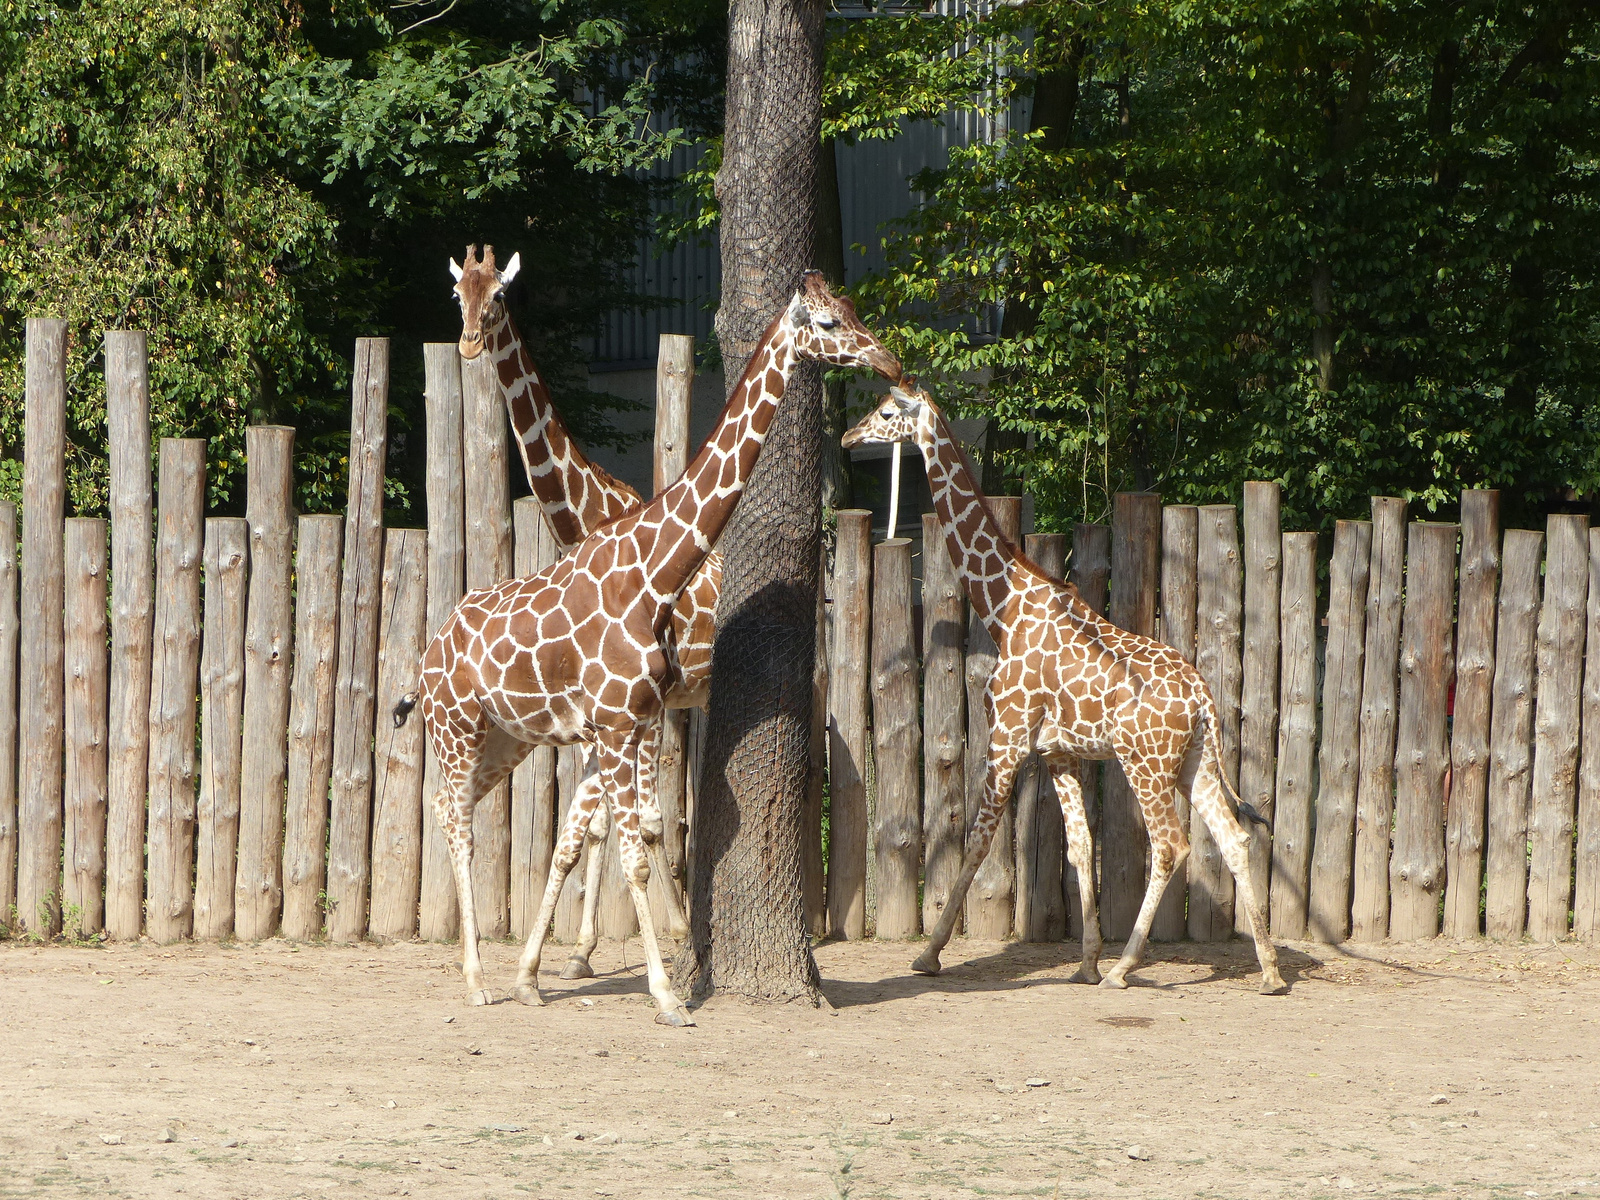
<point x="577" y="968"/>
<point x="1274" y="987"/>
<point x="1114" y="981"/>
<point x="677" y="932"/>
<point x="678" y="1018"/>
<point x="1086" y="974"/>
<point x="526" y="993"/>
<point x="481" y="996"/>
<point x="927" y="963"/>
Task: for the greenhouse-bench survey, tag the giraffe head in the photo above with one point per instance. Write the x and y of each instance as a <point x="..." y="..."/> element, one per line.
<point x="480" y="290"/>
<point x="896" y="419"/>
<point x="826" y="327"/>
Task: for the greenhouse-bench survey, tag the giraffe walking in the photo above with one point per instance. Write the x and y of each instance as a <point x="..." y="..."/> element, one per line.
<point x="576" y="652"/>
<point x="578" y="496"/>
<point x="1071" y="685"/>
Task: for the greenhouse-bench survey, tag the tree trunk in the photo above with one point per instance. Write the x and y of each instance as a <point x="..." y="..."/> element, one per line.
<point x="748" y="933"/>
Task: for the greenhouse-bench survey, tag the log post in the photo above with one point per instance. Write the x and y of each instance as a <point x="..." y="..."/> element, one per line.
<point x="533" y="783"/>
<point x="1469" y="731"/>
<point x="1555" y="725"/>
<point x="40" y="679"/>
<point x="814" y="884"/>
<point x="355" y="684"/>
<point x="8" y="713"/>
<point x="1369" y="907"/>
<point x="1219" y="603"/>
<point x="1180" y="531"/>
<point x="316" y="653"/>
<point x="1511" y="736"/>
<point x="397" y="753"/>
<point x="133" y="602"/>
<point x="1297" y="738"/>
<point x="1091" y="575"/>
<point x="992" y="899"/>
<point x="847" y="725"/>
<point x="268" y="651"/>
<point x="84" y="853"/>
<point x="894" y="741"/>
<point x="1586" y="893"/>
<point x="944" y="722"/>
<point x="1258" y="695"/>
<point x="1041" y="908"/>
<point x="226" y="565"/>
<point x="439" y="920"/>
<point x="1427" y="668"/>
<point x="174" y="684"/>
<point x="1339" y="758"/>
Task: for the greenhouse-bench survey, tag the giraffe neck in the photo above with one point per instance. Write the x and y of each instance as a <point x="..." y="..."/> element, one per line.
<point x="576" y="495"/>
<point x="990" y="567"/>
<point x="683" y="523"/>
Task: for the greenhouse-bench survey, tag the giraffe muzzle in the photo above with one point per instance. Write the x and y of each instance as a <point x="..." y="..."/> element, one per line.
<point x="470" y="345"/>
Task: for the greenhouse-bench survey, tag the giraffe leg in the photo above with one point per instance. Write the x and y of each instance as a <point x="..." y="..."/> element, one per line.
<point x="652" y="829"/>
<point x="569" y="846"/>
<point x="1080" y="852"/>
<point x="1234" y="843"/>
<point x="1155" y="785"/>
<point x="599" y="827"/>
<point x="1004" y="759"/>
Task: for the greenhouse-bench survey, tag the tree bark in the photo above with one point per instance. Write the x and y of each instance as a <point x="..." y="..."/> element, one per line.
<point x="748" y="931"/>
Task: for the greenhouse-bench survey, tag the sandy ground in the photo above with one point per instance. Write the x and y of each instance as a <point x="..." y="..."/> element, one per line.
<point x="276" y="1070"/>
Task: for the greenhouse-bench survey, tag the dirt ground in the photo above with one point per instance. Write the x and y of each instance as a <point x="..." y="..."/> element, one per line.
<point x="277" y="1070"/>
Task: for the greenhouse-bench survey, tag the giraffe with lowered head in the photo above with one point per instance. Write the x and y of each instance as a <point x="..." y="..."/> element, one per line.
<point x="576" y="652"/>
<point x="1071" y="685"/>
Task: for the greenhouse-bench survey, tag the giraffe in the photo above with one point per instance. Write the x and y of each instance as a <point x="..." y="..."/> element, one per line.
<point x="1071" y="685"/>
<point x="576" y="652"/>
<point x="577" y="496"/>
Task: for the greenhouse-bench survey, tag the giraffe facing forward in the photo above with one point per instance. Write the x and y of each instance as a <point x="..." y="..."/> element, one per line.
<point x="1071" y="685"/>
<point x="575" y="652"/>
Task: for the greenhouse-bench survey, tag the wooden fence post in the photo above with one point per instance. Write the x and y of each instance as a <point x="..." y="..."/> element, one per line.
<point x="1511" y="736"/>
<point x="1586" y="893"/>
<point x="226" y="566"/>
<point x="1041" y="908"/>
<point x="1091" y="573"/>
<point x="39" y="761"/>
<point x="1427" y="666"/>
<point x="1258" y="694"/>
<point x="1135" y="574"/>
<point x="674" y="405"/>
<point x="1219" y="587"/>
<point x="174" y="684"/>
<point x="355" y="685"/>
<point x="1369" y="916"/>
<point x="944" y="723"/>
<point x="1180" y="531"/>
<point x="397" y="754"/>
<point x="894" y="740"/>
<point x="1469" y="732"/>
<point x="316" y="652"/>
<point x="268" y="648"/>
<point x="1339" y="757"/>
<point x="847" y="725"/>
<point x="1555" y="724"/>
<point x="8" y="712"/>
<point x="447" y="580"/>
<point x="132" y="621"/>
<point x="84" y="851"/>
<point x="1297" y="738"/>
<point x="533" y="783"/>
<point x="993" y="897"/>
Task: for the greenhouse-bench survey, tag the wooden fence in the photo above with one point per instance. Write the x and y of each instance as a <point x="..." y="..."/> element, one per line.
<point x="193" y="712"/>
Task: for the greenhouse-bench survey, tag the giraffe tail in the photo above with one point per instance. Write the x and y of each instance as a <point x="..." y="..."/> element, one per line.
<point x="1242" y="808"/>
<point x="403" y="709"/>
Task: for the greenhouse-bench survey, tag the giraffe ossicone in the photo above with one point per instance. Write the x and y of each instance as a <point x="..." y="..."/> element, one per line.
<point x="576" y="652"/>
<point x="1070" y="685"/>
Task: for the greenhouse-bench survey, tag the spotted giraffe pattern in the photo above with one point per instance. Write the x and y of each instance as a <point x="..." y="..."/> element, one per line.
<point x="1068" y="684"/>
<point x="574" y="653"/>
<point x="578" y="496"/>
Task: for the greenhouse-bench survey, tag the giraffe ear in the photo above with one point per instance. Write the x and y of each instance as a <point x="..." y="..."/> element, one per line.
<point x="799" y="314"/>
<point x="512" y="268"/>
<point x="455" y="269"/>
